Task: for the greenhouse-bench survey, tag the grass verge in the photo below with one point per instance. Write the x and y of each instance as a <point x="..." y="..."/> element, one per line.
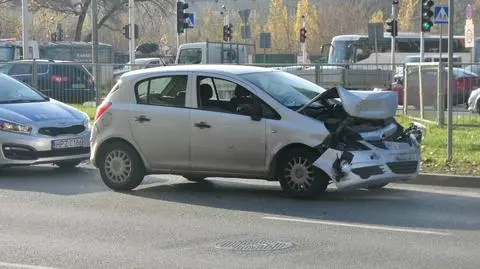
<point x="466" y="147"/>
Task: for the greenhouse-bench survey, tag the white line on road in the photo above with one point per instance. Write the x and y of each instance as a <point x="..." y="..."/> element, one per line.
<point x="24" y="266"/>
<point x="364" y="226"/>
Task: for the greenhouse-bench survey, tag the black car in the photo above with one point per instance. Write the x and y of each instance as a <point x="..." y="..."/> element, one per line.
<point x="64" y="81"/>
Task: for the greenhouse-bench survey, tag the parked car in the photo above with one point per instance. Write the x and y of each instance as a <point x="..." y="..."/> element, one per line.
<point x="473" y="104"/>
<point x="277" y="126"/>
<point x="35" y="129"/>
<point x="140" y="63"/>
<point x="465" y="82"/>
<point x="65" y="81"/>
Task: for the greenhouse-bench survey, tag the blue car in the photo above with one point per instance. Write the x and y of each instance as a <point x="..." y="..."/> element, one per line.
<point x="36" y="129"/>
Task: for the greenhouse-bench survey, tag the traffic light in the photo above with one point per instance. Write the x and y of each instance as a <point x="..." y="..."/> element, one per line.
<point x="392" y="27"/>
<point x="227" y="32"/>
<point x="126" y="31"/>
<point x="181" y="17"/>
<point x="60" y="34"/>
<point x="303" y="35"/>
<point x="427" y="15"/>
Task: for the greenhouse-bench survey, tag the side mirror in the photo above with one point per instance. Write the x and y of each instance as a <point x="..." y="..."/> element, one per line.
<point x="250" y="110"/>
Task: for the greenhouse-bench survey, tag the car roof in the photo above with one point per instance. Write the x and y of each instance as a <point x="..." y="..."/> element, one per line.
<point x="226" y="69"/>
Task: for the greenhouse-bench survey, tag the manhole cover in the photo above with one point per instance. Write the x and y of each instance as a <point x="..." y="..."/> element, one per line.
<point x="254" y="245"/>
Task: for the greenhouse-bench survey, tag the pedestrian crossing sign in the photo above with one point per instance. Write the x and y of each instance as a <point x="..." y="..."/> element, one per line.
<point x="441" y="15"/>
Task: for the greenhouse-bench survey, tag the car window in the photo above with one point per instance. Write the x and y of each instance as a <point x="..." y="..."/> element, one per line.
<point x="163" y="91"/>
<point x="13" y="91"/>
<point x="190" y="56"/>
<point x="21" y="69"/>
<point x="225" y="96"/>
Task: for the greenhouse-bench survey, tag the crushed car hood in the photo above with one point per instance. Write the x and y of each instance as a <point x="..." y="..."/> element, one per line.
<point x="364" y="104"/>
<point x="39" y="111"/>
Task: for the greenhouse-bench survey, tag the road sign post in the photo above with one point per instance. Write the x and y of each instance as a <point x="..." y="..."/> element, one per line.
<point x="451" y="83"/>
<point x="441" y="18"/>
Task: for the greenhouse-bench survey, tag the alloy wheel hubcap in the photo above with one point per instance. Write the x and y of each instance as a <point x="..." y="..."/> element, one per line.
<point x="299" y="174"/>
<point x="118" y="166"/>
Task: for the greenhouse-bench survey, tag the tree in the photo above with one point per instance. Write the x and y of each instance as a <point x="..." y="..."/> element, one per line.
<point x="108" y="9"/>
<point x="406" y="12"/>
<point x="377" y="17"/>
<point x="280" y="27"/>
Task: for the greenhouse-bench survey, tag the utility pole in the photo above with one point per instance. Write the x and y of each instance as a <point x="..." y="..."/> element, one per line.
<point x="95" y="48"/>
<point x="393" y="44"/>
<point x="25" y="36"/>
<point x="131" y="21"/>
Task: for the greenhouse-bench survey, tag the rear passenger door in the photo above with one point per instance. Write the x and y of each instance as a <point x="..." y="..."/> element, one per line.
<point x="160" y="121"/>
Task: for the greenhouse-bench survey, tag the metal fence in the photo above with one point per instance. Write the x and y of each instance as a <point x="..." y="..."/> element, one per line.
<point x="423" y="92"/>
<point x="74" y="83"/>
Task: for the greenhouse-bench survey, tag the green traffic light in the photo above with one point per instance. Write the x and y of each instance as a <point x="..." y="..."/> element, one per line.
<point x="427" y="25"/>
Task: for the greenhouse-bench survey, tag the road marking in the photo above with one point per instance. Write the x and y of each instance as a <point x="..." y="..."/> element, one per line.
<point x="24" y="266"/>
<point x="363" y="226"/>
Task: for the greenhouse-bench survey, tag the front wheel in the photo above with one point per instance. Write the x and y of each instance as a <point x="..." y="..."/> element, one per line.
<point x="298" y="177"/>
<point x="120" y="167"/>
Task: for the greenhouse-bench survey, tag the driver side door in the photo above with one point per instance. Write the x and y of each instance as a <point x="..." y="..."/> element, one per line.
<point x="222" y="139"/>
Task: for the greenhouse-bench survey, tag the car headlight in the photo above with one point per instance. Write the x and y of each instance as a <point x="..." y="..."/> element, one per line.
<point x="13" y="127"/>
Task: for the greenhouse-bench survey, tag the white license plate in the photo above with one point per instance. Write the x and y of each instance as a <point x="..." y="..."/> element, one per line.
<point x="406" y="157"/>
<point x="397" y="146"/>
<point x="68" y="143"/>
<point x="78" y="86"/>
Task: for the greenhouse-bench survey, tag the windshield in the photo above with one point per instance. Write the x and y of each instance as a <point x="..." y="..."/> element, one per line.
<point x="339" y="52"/>
<point x="6" y="54"/>
<point x="13" y="91"/>
<point x="288" y="89"/>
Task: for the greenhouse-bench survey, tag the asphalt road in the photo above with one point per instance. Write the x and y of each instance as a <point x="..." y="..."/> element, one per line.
<point x="51" y="218"/>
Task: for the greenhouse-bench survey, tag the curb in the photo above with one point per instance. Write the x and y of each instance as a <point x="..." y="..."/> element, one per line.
<point x="444" y="180"/>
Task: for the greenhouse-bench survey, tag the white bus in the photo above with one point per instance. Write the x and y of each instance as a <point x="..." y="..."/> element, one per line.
<point x="348" y="49"/>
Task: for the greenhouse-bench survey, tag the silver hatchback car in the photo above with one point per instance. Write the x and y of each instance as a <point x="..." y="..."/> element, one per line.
<point x="238" y="121"/>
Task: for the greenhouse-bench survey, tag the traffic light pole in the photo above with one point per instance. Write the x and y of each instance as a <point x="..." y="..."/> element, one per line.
<point x="131" y="21"/>
<point x="393" y="44"/>
<point x="304" y="44"/>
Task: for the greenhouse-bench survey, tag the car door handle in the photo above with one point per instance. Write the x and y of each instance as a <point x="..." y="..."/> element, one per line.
<point x="141" y="118"/>
<point x="202" y="125"/>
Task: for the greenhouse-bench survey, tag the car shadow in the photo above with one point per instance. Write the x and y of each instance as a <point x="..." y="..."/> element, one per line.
<point x="389" y="206"/>
<point x="51" y="179"/>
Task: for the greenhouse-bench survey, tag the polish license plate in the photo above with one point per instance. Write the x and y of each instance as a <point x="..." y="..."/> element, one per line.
<point x="397" y="146"/>
<point x="405" y="157"/>
<point x="68" y="143"/>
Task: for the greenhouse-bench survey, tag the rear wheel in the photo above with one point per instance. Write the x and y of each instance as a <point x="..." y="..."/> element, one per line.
<point x="298" y="177"/>
<point x="120" y="166"/>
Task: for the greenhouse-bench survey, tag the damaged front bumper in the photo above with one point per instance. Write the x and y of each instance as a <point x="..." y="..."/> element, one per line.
<point x="377" y="162"/>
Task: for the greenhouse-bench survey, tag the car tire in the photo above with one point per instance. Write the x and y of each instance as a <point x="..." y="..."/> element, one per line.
<point x="68" y="164"/>
<point x="377" y="186"/>
<point x="298" y="177"/>
<point x="194" y="178"/>
<point x="121" y="168"/>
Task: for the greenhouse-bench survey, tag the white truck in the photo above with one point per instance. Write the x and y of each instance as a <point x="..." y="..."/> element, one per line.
<point x="215" y="53"/>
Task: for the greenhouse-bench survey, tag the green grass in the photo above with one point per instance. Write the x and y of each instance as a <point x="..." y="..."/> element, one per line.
<point x="90" y="110"/>
<point x="466" y="149"/>
<point x="466" y="146"/>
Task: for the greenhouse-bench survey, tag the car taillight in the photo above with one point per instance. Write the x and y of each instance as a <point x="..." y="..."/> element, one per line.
<point x="102" y="109"/>
<point x="59" y="79"/>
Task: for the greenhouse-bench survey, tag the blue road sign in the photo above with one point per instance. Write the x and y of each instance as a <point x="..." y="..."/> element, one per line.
<point x="191" y="20"/>
<point x="441" y="15"/>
